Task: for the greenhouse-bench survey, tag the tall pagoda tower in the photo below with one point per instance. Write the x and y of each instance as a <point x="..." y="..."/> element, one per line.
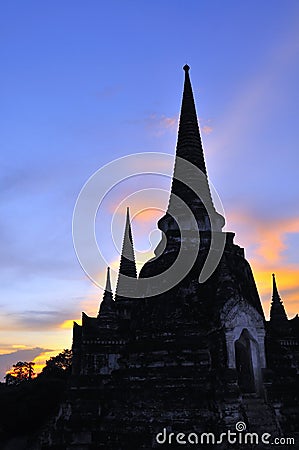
<point x="187" y="353"/>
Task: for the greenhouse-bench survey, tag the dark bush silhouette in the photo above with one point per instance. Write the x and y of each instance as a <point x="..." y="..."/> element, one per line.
<point x="59" y="365"/>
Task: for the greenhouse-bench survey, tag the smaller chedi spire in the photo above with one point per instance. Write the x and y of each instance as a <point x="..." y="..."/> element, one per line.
<point x="127" y="269"/>
<point x="107" y="304"/>
<point x="278" y="315"/>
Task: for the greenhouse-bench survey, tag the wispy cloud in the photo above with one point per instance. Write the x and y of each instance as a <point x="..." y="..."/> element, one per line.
<point x="205" y="125"/>
<point x="207" y="129"/>
<point x="35" y="320"/>
<point x="160" y="124"/>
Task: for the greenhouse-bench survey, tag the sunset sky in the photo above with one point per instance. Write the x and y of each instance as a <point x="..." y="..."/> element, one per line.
<point x="85" y="83"/>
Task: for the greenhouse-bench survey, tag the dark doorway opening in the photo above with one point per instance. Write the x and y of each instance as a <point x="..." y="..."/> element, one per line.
<point x="244" y="349"/>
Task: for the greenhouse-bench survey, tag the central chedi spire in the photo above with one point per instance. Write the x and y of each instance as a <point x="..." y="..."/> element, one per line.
<point x="189" y="144"/>
<point x="190" y="186"/>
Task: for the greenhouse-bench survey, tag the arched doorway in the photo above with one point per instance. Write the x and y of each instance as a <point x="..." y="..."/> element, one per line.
<point x="247" y="363"/>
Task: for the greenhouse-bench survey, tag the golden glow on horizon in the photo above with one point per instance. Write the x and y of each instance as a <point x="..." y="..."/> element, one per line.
<point x="68" y="324"/>
<point x="40" y="360"/>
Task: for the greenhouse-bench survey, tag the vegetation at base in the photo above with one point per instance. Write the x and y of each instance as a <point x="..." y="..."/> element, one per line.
<point x="27" y="402"/>
<point x="21" y="371"/>
<point x="59" y="365"/>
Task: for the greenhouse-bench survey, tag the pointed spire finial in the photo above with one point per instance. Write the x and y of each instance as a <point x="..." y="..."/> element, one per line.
<point x="128" y="216"/>
<point x="107" y="304"/>
<point x="275" y="293"/>
<point x="278" y="315"/>
<point x="108" y="281"/>
<point x="274" y="286"/>
<point x="189" y="148"/>
<point x="127" y="267"/>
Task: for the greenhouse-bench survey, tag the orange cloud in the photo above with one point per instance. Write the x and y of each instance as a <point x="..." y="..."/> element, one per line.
<point x="206" y="129"/>
<point x="268" y="236"/>
<point x="267" y="251"/>
<point x="169" y="122"/>
<point x="272" y="237"/>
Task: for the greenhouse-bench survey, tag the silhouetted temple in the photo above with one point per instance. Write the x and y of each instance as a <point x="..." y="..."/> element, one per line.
<point x="193" y="356"/>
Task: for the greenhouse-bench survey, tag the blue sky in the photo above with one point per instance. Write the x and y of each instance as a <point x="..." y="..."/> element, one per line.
<point x="84" y="83"/>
